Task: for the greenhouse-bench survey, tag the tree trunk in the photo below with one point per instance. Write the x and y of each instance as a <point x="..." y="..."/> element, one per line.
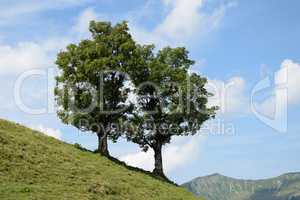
<point x="102" y="144"/>
<point x="158" y="170"/>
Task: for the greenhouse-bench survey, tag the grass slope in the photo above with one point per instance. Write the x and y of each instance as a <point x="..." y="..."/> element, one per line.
<point x="34" y="166"/>
<point x="218" y="187"/>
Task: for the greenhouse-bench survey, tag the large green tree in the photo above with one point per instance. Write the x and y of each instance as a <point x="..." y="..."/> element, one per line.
<point x="91" y="87"/>
<point x="171" y="101"/>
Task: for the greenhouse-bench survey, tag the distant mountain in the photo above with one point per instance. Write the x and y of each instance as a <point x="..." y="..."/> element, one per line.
<point x="218" y="187"/>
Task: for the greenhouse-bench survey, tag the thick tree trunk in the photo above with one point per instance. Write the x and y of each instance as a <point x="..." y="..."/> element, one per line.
<point x="158" y="169"/>
<point x="102" y="144"/>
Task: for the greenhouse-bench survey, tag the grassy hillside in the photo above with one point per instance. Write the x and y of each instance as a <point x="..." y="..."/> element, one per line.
<point x="218" y="187"/>
<point x="34" y="166"/>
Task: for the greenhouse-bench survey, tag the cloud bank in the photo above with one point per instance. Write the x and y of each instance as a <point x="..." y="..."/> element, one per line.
<point x="56" y="133"/>
<point x="181" y="152"/>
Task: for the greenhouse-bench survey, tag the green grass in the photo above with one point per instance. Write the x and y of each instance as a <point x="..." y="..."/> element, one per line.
<point x="34" y="166"/>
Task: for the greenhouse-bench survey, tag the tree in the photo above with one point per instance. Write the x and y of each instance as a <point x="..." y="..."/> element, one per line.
<point x="171" y="101"/>
<point x="91" y="88"/>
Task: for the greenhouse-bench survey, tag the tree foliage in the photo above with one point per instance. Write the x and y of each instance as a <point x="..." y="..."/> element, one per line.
<point x="90" y="91"/>
<point x="171" y="101"/>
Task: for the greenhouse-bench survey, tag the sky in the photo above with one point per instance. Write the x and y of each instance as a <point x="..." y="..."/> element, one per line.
<point x="248" y="50"/>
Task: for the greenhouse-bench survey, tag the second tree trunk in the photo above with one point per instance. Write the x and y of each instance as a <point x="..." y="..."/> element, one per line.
<point x="158" y="170"/>
<point x="102" y="145"/>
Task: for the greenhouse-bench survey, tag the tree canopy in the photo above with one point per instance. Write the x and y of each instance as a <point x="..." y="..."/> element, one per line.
<point x="171" y="101"/>
<point x="91" y="88"/>
<point x="98" y="75"/>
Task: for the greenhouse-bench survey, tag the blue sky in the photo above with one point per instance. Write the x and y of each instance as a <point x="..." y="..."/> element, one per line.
<point x="237" y="44"/>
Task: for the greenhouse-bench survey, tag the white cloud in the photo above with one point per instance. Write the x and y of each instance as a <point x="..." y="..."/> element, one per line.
<point x="144" y="36"/>
<point x="178" y="155"/>
<point x="230" y="96"/>
<point x="184" y="22"/>
<point x="12" y="10"/>
<point x="183" y="19"/>
<point x="48" y="131"/>
<point x="293" y="79"/>
<point x="267" y="107"/>
<point x="23" y="56"/>
<point x="140" y="159"/>
<point x="175" y="155"/>
<point x="31" y="55"/>
<point x="82" y="25"/>
<point x="287" y="77"/>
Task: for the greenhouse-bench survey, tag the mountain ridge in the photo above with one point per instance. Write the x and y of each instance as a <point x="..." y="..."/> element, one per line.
<point x="244" y="179"/>
<point x="220" y="187"/>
